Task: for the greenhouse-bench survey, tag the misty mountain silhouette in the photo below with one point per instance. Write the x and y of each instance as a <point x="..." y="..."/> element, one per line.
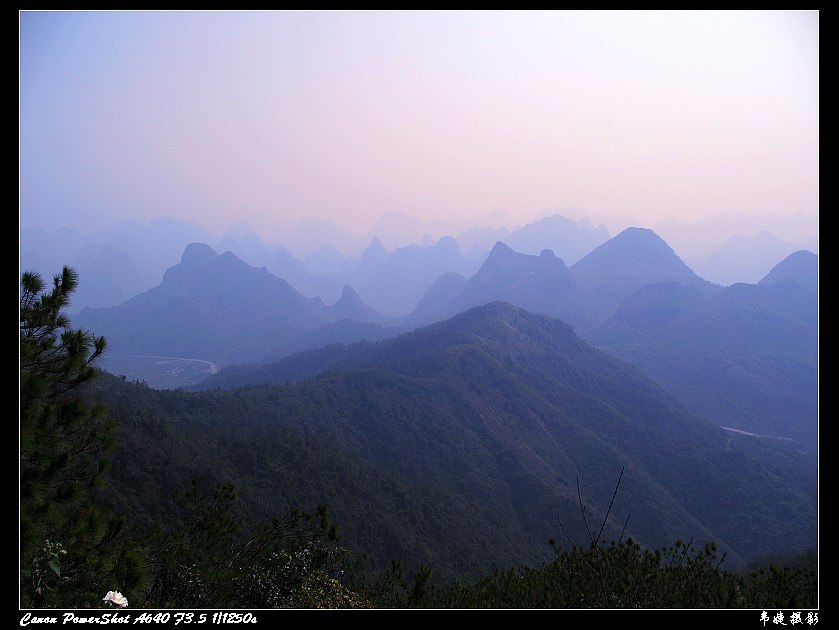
<point x="637" y="253"/>
<point x="323" y="270"/>
<point x="350" y="306"/>
<point x="216" y="307"/>
<point x="533" y="282"/>
<point x="559" y="234"/>
<point x="394" y="282"/>
<point x="743" y="258"/>
<point x="631" y="260"/>
<point x="583" y="295"/>
<point x="801" y="266"/>
<point x="437" y="298"/>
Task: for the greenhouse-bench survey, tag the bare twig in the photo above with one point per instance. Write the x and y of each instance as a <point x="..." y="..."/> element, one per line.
<point x="611" y="503"/>
<point x="583" y="512"/>
<point x="625" y="523"/>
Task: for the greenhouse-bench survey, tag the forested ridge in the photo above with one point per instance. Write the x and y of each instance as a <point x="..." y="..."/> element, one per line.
<point x="344" y="489"/>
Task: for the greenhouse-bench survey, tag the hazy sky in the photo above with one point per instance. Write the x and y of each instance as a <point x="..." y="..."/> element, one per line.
<point x="275" y="116"/>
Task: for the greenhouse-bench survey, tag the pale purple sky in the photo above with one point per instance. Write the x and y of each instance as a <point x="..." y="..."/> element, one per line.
<point x="272" y="117"/>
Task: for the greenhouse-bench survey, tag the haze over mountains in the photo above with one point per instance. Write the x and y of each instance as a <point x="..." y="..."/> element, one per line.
<point x="319" y="258"/>
<point x="745" y="356"/>
<point x="441" y="383"/>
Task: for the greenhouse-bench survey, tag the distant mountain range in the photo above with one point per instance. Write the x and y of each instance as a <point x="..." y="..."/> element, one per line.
<point x="217" y="308"/>
<point x="319" y="258"/>
<point x="114" y="264"/>
<point x="742" y="259"/>
<point x="745" y="356"/>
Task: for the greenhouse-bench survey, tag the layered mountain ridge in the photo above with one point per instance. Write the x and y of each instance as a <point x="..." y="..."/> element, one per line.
<point x="505" y="411"/>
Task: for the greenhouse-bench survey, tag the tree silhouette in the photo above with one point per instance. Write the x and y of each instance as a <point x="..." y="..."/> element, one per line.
<point x="64" y="538"/>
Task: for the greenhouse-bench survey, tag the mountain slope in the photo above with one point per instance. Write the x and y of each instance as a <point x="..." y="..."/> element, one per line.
<point x="634" y="258"/>
<point x="746" y="357"/>
<point x="801" y="266"/>
<point x="635" y="253"/>
<point x="743" y="259"/>
<point x="512" y="408"/>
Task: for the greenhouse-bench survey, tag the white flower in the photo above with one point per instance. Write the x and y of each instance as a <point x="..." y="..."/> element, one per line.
<point x="116" y="598"/>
